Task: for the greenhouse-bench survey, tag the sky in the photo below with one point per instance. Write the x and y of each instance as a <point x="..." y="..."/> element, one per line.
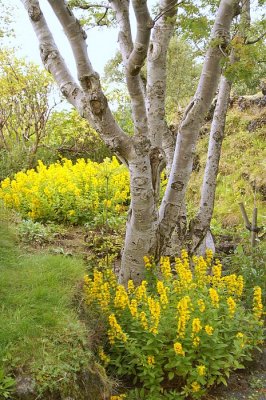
<point x="102" y="42"/>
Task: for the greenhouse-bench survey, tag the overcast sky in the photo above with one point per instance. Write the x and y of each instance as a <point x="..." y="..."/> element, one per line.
<point x="102" y="42"/>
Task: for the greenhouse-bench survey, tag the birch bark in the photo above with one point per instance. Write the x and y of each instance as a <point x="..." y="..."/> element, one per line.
<point x="191" y="123"/>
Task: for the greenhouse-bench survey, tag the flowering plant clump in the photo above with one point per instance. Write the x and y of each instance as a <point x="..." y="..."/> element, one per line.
<point x="180" y="331"/>
<point x="70" y="192"/>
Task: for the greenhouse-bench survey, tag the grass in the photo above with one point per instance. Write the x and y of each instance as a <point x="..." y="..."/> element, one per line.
<point x="40" y="333"/>
<point x="240" y="177"/>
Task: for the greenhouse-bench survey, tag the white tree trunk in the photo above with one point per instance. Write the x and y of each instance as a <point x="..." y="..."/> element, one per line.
<point x="147" y="231"/>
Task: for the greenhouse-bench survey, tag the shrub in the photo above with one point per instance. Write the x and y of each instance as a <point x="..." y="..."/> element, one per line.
<point x="67" y="192"/>
<point x="182" y="330"/>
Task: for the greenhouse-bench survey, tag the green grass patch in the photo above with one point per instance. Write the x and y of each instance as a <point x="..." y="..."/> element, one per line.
<point x="41" y="335"/>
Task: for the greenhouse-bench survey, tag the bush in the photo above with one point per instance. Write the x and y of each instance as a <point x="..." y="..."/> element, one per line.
<point x="67" y="192"/>
<point x="179" y="332"/>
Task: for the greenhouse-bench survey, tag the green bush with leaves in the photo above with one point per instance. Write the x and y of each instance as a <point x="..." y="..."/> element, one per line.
<point x="180" y="331"/>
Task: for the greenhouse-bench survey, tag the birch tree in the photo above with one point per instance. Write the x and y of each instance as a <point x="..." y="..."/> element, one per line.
<point x="151" y="222"/>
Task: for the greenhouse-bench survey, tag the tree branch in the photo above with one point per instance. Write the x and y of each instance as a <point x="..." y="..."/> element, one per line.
<point x="91" y="103"/>
<point x="134" y="83"/>
<point x="160" y="135"/>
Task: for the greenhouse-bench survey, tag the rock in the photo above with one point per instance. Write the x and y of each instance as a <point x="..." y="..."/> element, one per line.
<point x="256" y="123"/>
<point x="245" y="102"/>
<point x="25" y="388"/>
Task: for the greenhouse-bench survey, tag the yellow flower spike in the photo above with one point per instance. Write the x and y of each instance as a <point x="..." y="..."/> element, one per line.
<point x="130" y="287"/>
<point x="257" y="302"/>
<point x="214" y="297"/>
<point x="196" y="341"/>
<point x="141" y="291"/>
<point x="147" y="262"/>
<point x="201" y="305"/>
<point x="103" y="356"/>
<point x="209" y="256"/>
<point x="165" y="267"/>
<point x="196" y="326"/>
<point x="231" y="306"/>
<point x="195" y="387"/>
<point x="179" y="349"/>
<point x="133" y="307"/>
<point x="151" y="360"/>
<point x="121" y="297"/>
<point x="240" y="286"/>
<point x="155" y="312"/>
<point x="116" y="331"/>
<point x="143" y="320"/>
<point x="209" y="330"/>
<point x="162" y="291"/>
<point x="183" y="308"/>
<point x="201" y="369"/>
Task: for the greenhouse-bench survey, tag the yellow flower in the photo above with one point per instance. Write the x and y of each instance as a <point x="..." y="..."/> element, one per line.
<point x="116" y="331"/>
<point x="196" y="326"/>
<point x="201" y="305"/>
<point x="239" y="335"/>
<point x="143" y="320"/>
<point x="140" y="291"/>
<point x="214" y="297"/>
<point x="208" y="329"/>
<point x="151" y="360"/>
<point x="155" y="311"/>
<point x="231" y="306"/>
<point x="121" y="297"/>
<point x="162" y="291"/>
<point x="119" y="397"/>
<point x="178" y="349"/>
<point x="130" y="287"/>
<point x="196" y="341"/>
<point x="147" y="262"/>
<point x="195" y="386"/>
<point x="257" y="302"/>
<point x="133" y="307"/>
<point x="183" y="308"/>
<point x="165" y="267"/>
<point x="201" y="370"/>
<point x="103" y="356"/>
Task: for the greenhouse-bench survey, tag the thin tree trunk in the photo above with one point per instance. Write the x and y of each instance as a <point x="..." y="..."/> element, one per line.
<point x="191" y="124"/>
<point x="201" y="223"/>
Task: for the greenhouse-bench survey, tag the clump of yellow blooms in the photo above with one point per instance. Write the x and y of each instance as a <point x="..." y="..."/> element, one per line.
<point x="214" y="297"/>
<point x="257" y="302"/>
<point x="231" y="306"/>
<point x="151" y="360"/>
<point x="67" y="191"/>
<point x="177" y="316"/>
<point x="178" y="349"/>
<point x="115" y="331"/>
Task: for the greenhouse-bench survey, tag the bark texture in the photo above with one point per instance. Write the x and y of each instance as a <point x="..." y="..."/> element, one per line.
<point x="149" y="228"/>
<point x="192" y="122"/>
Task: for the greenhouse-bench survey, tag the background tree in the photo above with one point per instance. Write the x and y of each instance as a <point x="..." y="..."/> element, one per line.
<point x="150" y="224"/>
<point x="25" y="105"/>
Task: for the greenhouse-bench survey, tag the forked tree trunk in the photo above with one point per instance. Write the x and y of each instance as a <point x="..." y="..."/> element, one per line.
<point x="149" y="227"/>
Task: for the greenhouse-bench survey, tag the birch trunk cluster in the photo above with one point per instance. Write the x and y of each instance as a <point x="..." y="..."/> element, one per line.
<point x="151" y="225"/>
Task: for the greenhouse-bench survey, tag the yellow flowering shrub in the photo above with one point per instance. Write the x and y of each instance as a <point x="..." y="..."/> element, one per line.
<point x="68" y="192"/>
<point x="180" y="331"/>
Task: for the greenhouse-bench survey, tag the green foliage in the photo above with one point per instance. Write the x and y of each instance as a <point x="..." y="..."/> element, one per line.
<point x="24" y="109"/>
<point x="35" y="232"/>
<point x="41" y="336"/>
<point x="70" y="136"/>
<point x="7" y="384"/>
<point x="249" y="262"/>
<point x="180" y="87"/>
<point x="180" y="331"/>
<point x="239" y="178"/>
